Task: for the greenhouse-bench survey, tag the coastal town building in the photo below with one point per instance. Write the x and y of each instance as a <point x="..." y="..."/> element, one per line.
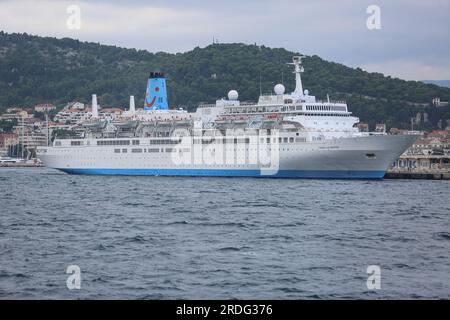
<point x="19" y="109"/>
<point x="45" y="107"/>
<point x="431" y="153"/>
<point x="6" y="141"/>
<point x="380" y="127"/>
<point x="32" y="132"/>
<point x="77" y="113"/>
<point x="31" y="135"/>
<point x="438" y="103"/>
<point x="22" y="114"/>
<point x="421" y="117"/>
<point x="75" y="105"/>
<point x="363" y="127"/>
<point x="72" y="116"/>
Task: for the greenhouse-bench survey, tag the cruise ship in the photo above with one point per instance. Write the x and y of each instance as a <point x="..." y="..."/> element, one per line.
<point x="283" y="135"/>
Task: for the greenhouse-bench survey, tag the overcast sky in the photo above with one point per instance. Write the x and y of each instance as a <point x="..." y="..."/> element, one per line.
<point x="413" y="42"/>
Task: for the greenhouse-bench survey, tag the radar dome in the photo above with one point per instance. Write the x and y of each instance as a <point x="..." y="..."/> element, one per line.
<point x="306" y="92"/>
<point x="279" y="89"/>
<point x="233" y="95"/>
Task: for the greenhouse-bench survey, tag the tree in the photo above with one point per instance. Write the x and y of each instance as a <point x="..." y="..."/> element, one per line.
<point x="8" y="125"/>
<point x="48" y="70"/>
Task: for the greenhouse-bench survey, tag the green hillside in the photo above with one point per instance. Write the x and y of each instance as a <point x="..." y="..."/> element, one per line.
<point x="37" y="69"/>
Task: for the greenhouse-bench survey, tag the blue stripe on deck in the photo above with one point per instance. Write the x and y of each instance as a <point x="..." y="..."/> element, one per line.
<point x="311" y="174"/>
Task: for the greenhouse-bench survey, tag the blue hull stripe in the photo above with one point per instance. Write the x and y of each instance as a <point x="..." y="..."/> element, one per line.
<point x="313" y="174"/>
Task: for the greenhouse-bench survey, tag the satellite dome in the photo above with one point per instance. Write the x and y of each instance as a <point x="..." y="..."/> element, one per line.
<point x="233" y="95"/>
<point x="306" y="92"/>
<point x="279" y="89"/>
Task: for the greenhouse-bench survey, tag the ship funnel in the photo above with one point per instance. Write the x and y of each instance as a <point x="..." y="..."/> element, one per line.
<point x="132" y="106"/>
<point x="156" y="95"/>
<point x="94" y="106"/>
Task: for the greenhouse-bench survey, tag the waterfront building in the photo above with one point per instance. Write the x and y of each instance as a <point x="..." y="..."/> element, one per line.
<point x="45" y="107"/>
<point x="6" y="141"/>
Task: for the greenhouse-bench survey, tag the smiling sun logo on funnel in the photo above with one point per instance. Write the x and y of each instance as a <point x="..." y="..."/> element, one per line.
<point x="152" y="102"/>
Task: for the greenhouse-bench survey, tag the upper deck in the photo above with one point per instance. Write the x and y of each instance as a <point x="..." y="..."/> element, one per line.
<point x="298" y="102"/>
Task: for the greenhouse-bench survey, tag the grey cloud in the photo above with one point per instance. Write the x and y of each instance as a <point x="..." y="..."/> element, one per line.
<point x="414" y="32"/>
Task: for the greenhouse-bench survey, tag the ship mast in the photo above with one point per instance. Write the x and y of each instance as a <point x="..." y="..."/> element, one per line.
<point x="22" y="131"/>
<point x="297" y="63"/>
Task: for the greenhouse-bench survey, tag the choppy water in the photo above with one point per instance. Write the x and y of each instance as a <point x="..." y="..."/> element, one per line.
<point x="159" y="237"/>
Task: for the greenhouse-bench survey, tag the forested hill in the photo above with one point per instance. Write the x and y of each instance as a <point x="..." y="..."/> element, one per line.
<point x="40" y="69"/>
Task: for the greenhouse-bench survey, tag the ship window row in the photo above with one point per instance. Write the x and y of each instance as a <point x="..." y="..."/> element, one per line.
<point x="247" y="140"/>
<point x="235" y="140"/>
<point x="326" y="108"/>
<point x="327" y="115"/>
<point x="264" y="109"/>
<point x="318" y="114"/>
<point x="114" y="142"/>
<point x="135" y="150"/>
<point x="195" y="141"/>
<point x="221" y="140"/>
<point x="160" y="134"/>
<point x="283" y="140"/>
<point x="76" y="143"/>
<point x="151" y="150"/>
<point x="165" y="141"/>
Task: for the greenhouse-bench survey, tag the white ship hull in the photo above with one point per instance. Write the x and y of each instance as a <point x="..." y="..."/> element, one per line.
<point x="366" y="157"/>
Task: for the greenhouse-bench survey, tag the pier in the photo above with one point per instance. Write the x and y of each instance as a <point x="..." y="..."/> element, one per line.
<point x="429" y="167"/>
<point x="417" y="175"/>
<point x="20" y="165"/>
